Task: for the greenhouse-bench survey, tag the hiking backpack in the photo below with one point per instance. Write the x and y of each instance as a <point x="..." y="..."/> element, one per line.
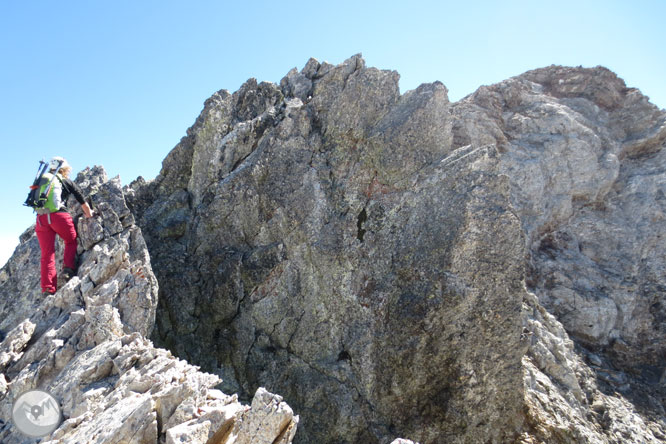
<point x="46" y="190"/>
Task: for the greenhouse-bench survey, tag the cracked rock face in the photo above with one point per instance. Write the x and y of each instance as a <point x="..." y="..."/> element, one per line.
<point x="87" y="346"/>
<point x="334" y="254"/>
<point x="585" y="158"/>
<point x="397" y="265"/>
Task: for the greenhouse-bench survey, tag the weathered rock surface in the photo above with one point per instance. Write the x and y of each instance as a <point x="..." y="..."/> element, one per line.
<point x="397" y="265"/>
<point x="587" y="171"/>
<point x="585" y="157"/>
<point x="87" y="346"/>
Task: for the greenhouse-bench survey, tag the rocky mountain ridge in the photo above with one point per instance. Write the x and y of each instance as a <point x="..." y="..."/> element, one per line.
<point x="86" y="345"/>
<point x="391" y="264"/>
<point x="399" y="265"/>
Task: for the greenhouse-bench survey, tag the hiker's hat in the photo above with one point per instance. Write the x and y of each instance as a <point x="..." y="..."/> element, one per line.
<point x="58" y="162"/>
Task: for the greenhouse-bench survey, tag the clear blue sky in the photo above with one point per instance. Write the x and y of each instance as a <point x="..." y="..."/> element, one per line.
<point x="117" y="83"/>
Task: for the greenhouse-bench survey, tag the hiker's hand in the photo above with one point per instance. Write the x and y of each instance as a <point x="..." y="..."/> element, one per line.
<point x="87" y="211"/>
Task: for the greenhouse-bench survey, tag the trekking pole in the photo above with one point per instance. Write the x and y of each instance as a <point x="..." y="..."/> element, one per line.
<point x="35" y="183"/>
<point x="40" y="169"/>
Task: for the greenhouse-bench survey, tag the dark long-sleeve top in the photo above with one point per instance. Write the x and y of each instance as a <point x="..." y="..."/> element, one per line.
<point x="69" y="187"/>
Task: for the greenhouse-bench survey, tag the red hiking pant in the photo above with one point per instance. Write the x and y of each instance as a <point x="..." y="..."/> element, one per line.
<point x="48" y="225"/>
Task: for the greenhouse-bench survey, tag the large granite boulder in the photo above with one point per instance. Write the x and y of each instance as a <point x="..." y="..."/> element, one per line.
<point x="397" y="265"/>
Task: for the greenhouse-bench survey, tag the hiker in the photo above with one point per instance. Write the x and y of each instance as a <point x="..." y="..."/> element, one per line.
<point x="54" y="219"/>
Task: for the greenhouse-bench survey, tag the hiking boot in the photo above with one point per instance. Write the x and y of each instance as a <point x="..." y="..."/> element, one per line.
<point x="48" y="293"/>
<point x="68" y="273"/>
